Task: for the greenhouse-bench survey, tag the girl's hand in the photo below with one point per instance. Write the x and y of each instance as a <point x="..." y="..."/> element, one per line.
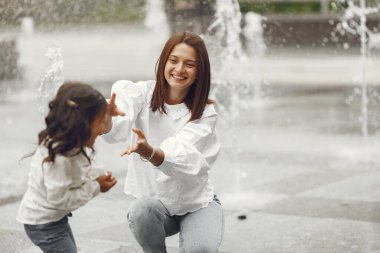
<point x="141" y="147"/>
<point x="106" y="181"/>
<point x="112" y="108"/>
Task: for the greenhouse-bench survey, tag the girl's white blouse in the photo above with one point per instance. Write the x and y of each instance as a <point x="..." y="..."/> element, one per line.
<point x="182" y="181"/>
<point x="56" y="189"/>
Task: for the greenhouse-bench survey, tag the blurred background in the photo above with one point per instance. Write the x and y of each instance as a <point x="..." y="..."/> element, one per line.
<point x="297" y="90"/>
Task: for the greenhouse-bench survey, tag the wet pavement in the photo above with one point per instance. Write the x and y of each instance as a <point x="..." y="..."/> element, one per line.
<point x="293" y="162"/>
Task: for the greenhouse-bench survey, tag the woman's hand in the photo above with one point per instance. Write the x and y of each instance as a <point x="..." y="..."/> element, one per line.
<point x="144" y="149"/>
<point x="111" y="112"/>
<point x="141" y="147"/>
<point x="112" y="108"/>
<point x="106" y="181"/>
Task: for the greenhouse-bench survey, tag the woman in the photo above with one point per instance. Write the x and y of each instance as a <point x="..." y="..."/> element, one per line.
<point x="171" y="125"/>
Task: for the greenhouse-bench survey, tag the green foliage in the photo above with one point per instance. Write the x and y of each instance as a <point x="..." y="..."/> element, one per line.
<point x="61" y="12"/>
<point x="108" y="12"/>
<point x="281" y="8"/>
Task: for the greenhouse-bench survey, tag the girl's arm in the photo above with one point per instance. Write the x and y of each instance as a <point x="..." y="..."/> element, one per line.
<point x="58" y="180"/>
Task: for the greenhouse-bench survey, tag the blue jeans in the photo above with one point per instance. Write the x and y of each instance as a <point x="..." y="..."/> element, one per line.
<point x="200" y="231"/>
<point x="52" y="237"/>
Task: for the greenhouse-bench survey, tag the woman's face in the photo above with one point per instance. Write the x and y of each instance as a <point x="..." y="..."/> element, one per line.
<point x="180" y="69"/>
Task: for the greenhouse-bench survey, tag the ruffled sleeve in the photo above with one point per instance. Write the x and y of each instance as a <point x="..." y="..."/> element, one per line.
<point x="194" y="149"/>
<point x="130" y="98"/>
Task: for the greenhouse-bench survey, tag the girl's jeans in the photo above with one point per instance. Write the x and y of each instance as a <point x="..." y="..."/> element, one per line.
<point x="52" y="237"/>
<point x="200" y="231"/>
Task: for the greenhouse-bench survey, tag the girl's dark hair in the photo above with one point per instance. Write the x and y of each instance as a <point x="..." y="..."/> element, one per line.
<point x="69" y="121"/>
<point x="197" y="97"/>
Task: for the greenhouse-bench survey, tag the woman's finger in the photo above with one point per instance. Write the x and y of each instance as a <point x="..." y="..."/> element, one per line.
<point x="139" y="133"/>
<point x="130" y="150"/>
<point x="112" y="100"/>
<point x="119" y="112"/>
<point x="126" y="152"/>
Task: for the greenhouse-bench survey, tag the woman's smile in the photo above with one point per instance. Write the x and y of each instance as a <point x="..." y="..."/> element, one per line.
<point x="178" y="77"/>
<point x="180" y="71"/>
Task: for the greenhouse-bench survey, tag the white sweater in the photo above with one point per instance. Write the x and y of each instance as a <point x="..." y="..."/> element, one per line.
<point x="54" y="190"/>
<point x="182" y="181"/>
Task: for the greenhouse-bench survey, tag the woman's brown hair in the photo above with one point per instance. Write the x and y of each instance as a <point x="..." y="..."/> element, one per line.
<point x="197" y="97"/>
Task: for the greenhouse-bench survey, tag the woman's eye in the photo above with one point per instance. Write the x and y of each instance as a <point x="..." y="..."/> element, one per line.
<point x="190" y="65"/>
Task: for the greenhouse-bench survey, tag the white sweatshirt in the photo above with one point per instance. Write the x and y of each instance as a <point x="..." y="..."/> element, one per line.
<point x="182" y="181"/>
<point x="56" y="189"/>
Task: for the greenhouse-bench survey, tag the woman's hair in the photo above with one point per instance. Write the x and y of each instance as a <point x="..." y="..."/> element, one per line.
<point x="197" y="97"/>
<point x="69" y="121"/>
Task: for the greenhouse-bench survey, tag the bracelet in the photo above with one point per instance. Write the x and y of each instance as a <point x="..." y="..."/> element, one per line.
<point x="148" y="158"/>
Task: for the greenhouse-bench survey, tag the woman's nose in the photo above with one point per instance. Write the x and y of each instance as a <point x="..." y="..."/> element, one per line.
<point x="180" y="67"/>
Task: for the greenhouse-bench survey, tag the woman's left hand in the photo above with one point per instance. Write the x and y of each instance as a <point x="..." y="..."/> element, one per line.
<point x="141" y="147"/>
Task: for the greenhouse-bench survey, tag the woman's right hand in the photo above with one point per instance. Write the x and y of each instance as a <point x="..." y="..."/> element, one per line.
<point x="112" y="111"/>
<point x="112" y="108"/>
<point x="106" y="181"/>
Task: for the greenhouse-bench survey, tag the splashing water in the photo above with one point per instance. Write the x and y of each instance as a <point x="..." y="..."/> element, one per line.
<point x="27" y="27"/>
<point x="52" y="79"/>
<point x="155" y="18"/>
<point x="254" y="35"/>
<point x="353" y="22"/>
<point x="236" y="75"/>
<point x="224" y="41"/>
<point x="225" y="47"/>
<point x="235" y="79"/>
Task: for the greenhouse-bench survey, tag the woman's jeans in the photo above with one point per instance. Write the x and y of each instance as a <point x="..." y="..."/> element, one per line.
<point x="200" y="231"/>
<point x="52" y="237"/>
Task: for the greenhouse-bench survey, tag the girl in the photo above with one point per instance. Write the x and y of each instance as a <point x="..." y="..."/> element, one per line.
<point x="174" y="146"/>
<point x="61" y="178"/>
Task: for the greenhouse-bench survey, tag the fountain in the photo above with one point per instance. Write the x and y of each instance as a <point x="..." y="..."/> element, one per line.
<point x="253" y="33"/>
<point x="292" y="158"/>
<point x="223" y="42"/>
<point x="228" y="55"/>
<point x="155" y="18"/>
<point x="9" y="58"/>
<point x="237" y="87"/>
<point x="368" y="40"/>
<point x="52" y="79"/>
<point x="27" y="27"/>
